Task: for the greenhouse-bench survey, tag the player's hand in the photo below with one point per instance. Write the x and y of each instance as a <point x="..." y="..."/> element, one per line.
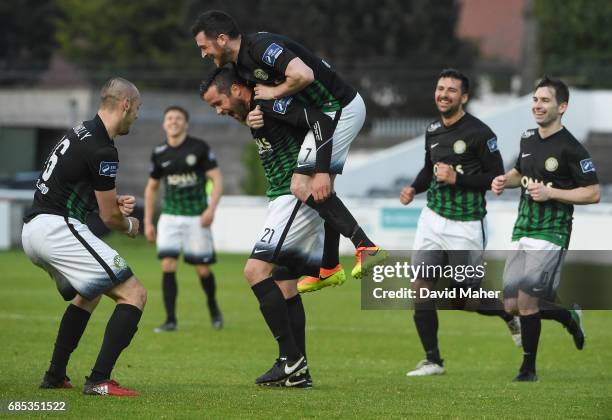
<point x="207" y="217"/>
<point x="498" y="185"/>
<point x="321" y="187"/>
<point x="126" y="204"/>
<point x="150" y="232"/>
<point x="407" y="195"/>
<point x="255" y="118"/>
<point x="134" y="228"/>
<point x="445" y="173"/>
<point x="538" y="191"/>
<point x="264" y="92"/>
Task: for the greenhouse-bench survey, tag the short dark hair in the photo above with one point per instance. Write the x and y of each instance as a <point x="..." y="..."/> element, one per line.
<point x="179" y="109"/>
<point x="561" y="90"/>
<point x="223" y="78"/>
<point x="456" y="74"/>
<point x="214" y="23"/>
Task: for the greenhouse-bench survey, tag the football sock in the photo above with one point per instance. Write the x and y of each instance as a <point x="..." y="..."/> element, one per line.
<point x="426" y="321"/>
<point x="334" y="212"/>
<point x="559" y="314"/>
<point x="209" y="286"/>
<point x="297" y="319"/>
<point x="274" y="310"/>
<point x="331" y="257"/>
<point x="494" y="307"/>
<point x="531" y="325"/>
<point x="70" y="331"/>
<point x="120" y="329"/>
<point x="170" y="290"/>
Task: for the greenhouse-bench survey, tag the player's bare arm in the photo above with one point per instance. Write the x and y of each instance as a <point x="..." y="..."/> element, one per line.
<point x="111" y="214"/>
<point x="209" y="214"/>
<point x="150" y="197"/>
<point x="297" y="76"/>
<point x="581" y="195"/>
<point x="511" y="179"/>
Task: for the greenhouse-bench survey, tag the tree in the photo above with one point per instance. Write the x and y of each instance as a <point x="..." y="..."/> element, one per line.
<point x="27" y="30"/>
<point x="574" y="40"/>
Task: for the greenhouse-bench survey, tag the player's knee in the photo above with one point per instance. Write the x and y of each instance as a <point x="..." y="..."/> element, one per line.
<point x="132" y="292"/>
<point x="88" y="305"/>
<point x="168" y="265"/>
<point x="511" y="307"/>
<point x="203" y="270"/>
<point x="255" y="271"/>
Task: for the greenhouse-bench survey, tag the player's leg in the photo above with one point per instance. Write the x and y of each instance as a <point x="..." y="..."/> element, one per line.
<point x="531" y="326"/>
<point x="273" y="307"/>
<point x="199" y="250"/>
<point x="466" y="242"/>
<point x="169" y="294"/>
<point x="571" y="319"/>
<point x="209" y="285"/>
<point x="130" y="297"/>
<point x="168" y="241"/>
<point x="297" y="319"/>
<point x="71" y="329"/>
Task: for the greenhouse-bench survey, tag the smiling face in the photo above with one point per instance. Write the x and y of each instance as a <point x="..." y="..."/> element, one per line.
<point x="175" y="123"/>
<point x="216" y="49"/>
<point x="545" y="108"/>
<point x="449" y="97"/>
<point x="234" y="104"/>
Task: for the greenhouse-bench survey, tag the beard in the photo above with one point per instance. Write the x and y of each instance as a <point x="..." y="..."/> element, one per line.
<point x="240" y="110"/>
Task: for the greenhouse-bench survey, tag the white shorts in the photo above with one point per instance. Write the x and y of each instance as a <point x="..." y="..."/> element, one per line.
<point x="441" y="241"/>
<point x="176" y="234"/>
<point x="348" y="126"/>
<point x="534" y="266"/>
<point x="292" y="236"/>
<point x="73" y="256"/>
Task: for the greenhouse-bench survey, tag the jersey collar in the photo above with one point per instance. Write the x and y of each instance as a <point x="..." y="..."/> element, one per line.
<point x="100" y="125"/>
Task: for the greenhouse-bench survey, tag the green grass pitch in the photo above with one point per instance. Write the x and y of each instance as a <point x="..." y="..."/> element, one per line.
<point x="358" y="359"/>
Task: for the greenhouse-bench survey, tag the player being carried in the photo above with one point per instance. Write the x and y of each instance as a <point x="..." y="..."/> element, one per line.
<point x="290" y="244"/>
<point x="554" y="172"/>
<point x="279" y="67"/>
<point x="185" y="163"/>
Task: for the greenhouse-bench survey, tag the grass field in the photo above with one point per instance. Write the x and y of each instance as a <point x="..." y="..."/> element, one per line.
<point x="358" y="359"/>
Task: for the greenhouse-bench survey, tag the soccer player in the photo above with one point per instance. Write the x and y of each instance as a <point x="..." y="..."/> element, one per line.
<point x="280" y="67"/>
<point x="461" y="160"/>
<point x="291" y="242"/>
<point x="78" y="178"/>
<point x="185" y="164"/>
<point x="554" y="172"/>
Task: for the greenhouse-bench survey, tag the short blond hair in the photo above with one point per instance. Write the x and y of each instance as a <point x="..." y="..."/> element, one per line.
<point x="116" y="90"/>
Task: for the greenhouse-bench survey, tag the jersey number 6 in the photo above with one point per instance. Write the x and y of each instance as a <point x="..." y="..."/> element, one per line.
<point x="64" y="145"/>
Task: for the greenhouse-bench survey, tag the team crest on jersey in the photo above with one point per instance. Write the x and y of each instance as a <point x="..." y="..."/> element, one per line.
<point x="459" y="147"/>
<point x="527" y="133"/>
<point x="119" y="262"/>
<point x="109" y="169"/>
<point x="434" y="126"/>
<point x="191" y="159"/>
<point x="271" y="54"/>
<point x="587" y="165"/>
<point x="492" y="144"/>
<point x="551" y="164"/>
<point x="260" y="74"/>
<point x="280" y="105"/>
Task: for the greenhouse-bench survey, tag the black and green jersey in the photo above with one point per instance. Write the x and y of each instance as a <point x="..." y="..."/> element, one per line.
<point x="263" y="58"/>
<point x="559" y="161"/>
<point x="470" y="147"/>
<point x="83" y="161"/>
<point x="286" y="122"/>
<point x="184" y="171"/>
